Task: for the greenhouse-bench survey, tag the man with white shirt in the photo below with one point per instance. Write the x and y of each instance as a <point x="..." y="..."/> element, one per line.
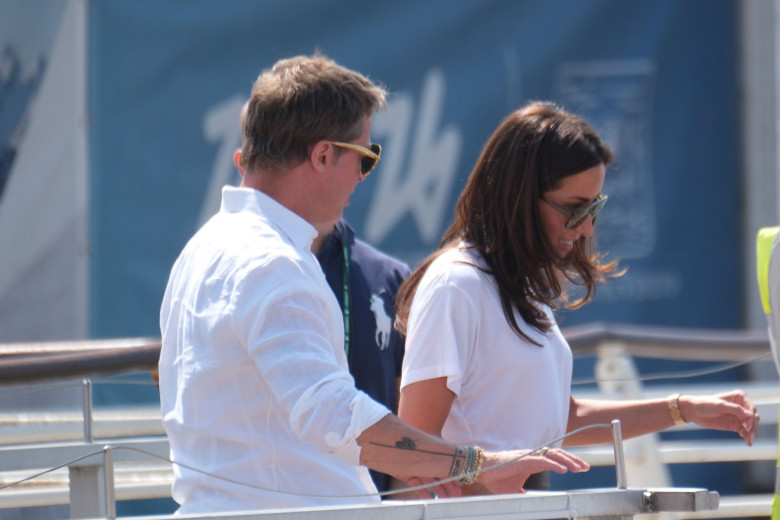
<point x="257" y="400"/>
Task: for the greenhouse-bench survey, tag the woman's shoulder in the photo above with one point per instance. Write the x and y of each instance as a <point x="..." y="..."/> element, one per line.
<point x="460" y="265"/>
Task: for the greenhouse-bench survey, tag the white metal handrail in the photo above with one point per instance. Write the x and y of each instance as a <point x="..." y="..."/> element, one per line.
<point x="614" y="345"/>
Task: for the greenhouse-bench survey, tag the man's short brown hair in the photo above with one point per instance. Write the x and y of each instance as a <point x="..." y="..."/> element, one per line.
<point x="300" y="101"/>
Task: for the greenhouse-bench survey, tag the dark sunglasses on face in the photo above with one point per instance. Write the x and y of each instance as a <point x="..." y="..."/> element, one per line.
<point x="370" y="157"/>
<point x="578" y="214"/>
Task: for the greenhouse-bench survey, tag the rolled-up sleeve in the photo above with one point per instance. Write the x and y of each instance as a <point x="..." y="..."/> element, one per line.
<point x="290" y="334"/>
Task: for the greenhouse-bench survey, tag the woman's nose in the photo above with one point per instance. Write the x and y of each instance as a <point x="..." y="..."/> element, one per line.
<point x="585" y="228"/>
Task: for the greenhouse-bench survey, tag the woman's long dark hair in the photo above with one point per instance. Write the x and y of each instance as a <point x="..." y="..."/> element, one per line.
<point x="498" y="215"/>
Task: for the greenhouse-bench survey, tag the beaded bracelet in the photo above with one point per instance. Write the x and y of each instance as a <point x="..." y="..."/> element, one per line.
<point x="475" y="457"/>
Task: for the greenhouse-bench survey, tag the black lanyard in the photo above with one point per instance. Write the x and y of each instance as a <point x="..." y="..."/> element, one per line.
<point x="346" y="303"/>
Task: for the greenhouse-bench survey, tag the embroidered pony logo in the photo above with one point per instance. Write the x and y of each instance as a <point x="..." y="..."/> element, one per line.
<point x="383" y="321"/>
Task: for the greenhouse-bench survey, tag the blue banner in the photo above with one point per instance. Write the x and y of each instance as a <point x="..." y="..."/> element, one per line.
<point x="657" y="79"/>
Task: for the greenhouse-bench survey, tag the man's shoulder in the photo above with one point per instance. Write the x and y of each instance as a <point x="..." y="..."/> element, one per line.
<point x="364" y="252"/>
<point x="244" y="245"/>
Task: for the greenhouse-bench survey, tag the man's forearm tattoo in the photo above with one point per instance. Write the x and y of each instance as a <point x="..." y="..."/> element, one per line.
<point x="408" y="444"/>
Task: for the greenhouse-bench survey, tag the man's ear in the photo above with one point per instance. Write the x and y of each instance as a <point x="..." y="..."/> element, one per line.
<point x="236" y="159"/>
<point x="321" y="155"/>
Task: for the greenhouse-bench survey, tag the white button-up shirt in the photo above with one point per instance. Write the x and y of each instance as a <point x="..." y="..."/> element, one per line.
<point x="254" y="382"/>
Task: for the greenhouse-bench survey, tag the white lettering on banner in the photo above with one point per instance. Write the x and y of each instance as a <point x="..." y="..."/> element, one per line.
<point x="424" y="188"/>
<point x="221" y="126"/>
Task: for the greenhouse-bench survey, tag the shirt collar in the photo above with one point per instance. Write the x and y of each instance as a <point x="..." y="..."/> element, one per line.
<point x="298" y="230"/>
<point x="346" y="233"/>
<point x="342" y="235"/>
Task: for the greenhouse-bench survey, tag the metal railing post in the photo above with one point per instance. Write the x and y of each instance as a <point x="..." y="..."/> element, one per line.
<point x="87" y="410"/>
<point x="620" y="462"/>
<point x="108" y="475"/>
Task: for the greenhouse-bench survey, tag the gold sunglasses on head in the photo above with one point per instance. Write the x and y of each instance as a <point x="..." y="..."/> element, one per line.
<point x="370" y="157"/>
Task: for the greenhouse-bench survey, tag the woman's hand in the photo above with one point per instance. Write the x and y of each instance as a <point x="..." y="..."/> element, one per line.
<point x="446" y="490"/>
<point x="732" y="411"/>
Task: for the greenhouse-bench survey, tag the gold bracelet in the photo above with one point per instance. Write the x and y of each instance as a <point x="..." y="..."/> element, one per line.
<point x="480" y="461"/>
<point x="673" y="403"/>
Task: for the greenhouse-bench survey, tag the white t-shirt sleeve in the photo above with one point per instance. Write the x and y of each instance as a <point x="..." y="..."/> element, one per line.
<point x="443" y="326"/>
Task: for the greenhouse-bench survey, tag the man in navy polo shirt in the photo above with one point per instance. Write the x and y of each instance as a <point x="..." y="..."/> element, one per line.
<point x="367" y="297"/>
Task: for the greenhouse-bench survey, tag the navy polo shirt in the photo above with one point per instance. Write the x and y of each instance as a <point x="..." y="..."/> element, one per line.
<point x="376" y="348"/>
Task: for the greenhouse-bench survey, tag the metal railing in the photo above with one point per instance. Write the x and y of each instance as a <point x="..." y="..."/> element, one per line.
<point x="135" y="440"/>
<point x="648" y="458"/>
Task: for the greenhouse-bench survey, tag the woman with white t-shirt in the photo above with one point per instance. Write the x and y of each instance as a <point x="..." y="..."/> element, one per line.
<point x="485" y="362"/>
